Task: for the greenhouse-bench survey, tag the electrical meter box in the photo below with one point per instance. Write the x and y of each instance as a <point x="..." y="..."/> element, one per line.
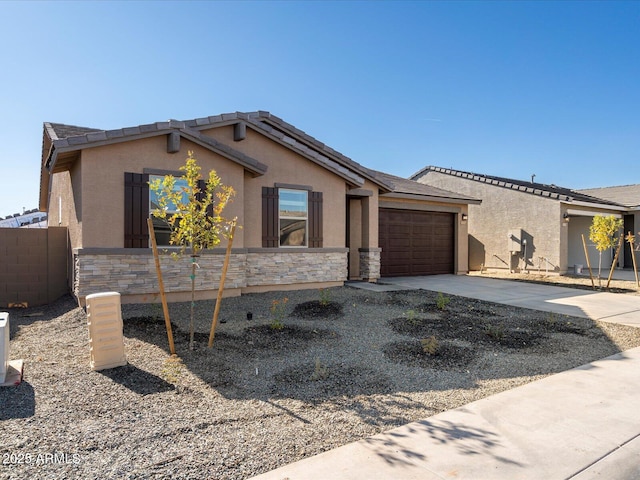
<point x="515" y="240"/>
<point x="106" y="341"/>
<point x="4" y="345"/>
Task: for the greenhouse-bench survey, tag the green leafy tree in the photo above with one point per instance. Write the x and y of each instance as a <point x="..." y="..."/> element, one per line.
<point x="193" y="212"/>
<point x="602" y="233"/>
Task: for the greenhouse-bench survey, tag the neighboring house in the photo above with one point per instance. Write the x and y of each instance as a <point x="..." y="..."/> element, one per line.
<point x="29" y="219"/>
<point x="629" y="196"/>
<point x="523" y="225"/>
<point x="310" y="216"/>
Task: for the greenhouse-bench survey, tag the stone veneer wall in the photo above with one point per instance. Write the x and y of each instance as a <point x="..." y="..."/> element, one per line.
<point x="132" y="271"/>
<point x="370" y="263"/>
<point x="288" y="266"/>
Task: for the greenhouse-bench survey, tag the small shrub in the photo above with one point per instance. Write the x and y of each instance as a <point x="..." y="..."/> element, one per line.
<point x="320" y="372"/>
<point x="411" y="317"/>
<point x="278" y="308"/>
<point x="430" y="345"/>
<point x="325" y="297"/>
<point x="442" y="301"/>
<point x="551" y="320"/>
<point x="172" y="369"/>
<point x="495" y="331"/>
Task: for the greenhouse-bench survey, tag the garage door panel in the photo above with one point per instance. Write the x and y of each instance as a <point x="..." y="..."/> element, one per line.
<point x="416" y="243"/>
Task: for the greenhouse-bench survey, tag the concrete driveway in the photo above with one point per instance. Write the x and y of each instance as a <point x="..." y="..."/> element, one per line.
<point x="582" y="424"/>
<point x="609" y="307"/>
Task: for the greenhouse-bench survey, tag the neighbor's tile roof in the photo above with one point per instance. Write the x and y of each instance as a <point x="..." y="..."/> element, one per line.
<point x="628" y="195"/>
<point x="549" y="191"/>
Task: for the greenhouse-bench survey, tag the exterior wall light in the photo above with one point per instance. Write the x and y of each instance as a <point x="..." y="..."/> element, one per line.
<point x="464" y="217"/>
<point x="565" y="217"/>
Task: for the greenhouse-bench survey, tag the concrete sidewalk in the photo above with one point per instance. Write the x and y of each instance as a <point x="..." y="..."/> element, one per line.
<point x="580" y="424"/>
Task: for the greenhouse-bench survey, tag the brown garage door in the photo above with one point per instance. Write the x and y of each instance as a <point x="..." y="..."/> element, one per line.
<point x="416" y="243"/>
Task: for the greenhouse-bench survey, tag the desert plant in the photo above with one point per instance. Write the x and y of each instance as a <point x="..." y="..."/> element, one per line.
<point x="172" y="369"/>
<point x="411" y="317"/>
<point x="325" y="297"/>
<point x="193" y="211"/>
<point x="442" y="301"/>
<point x="278" y="309"/>
<point x="551" y="319"/>
<point x="430" y="345"/>
<point x="495" y="331"/>
<point x="320" y="372"/>
<point x="602" y="233"/>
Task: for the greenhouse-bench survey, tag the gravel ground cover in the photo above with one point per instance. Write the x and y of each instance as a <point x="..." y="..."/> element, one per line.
<point x="261" y="398"/>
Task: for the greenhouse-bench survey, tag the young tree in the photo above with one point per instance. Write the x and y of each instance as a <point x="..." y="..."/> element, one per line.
<point x="193" y="210"/>
<point x="602" y="233"/>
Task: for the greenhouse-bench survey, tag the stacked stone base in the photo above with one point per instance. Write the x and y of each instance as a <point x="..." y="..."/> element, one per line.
<point x="132" y="272"/>
<point x="370" y="263"/>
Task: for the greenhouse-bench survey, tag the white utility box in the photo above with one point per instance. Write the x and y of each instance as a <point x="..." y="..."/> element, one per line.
<point x="106" y="341"/>
<point x="4" y="345"/>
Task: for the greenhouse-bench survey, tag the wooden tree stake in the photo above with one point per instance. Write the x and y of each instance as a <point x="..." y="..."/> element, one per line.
<point x="615" y="260"/>
<point x="163" y="297"/>
<point x="586" y="254"/>
<point x="631" y="239"/>
<point x="223" y="277"/>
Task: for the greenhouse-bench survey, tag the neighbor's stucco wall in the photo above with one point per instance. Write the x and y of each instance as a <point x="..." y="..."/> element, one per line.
<point x="503" y="209"/>
<point x="580" y="222"/>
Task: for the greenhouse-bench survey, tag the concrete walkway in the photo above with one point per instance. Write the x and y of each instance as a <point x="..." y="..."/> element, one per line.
<point x="582" y="424"/>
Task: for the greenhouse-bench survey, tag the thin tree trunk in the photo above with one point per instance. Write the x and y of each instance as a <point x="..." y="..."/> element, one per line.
<point x="193" y="298"/>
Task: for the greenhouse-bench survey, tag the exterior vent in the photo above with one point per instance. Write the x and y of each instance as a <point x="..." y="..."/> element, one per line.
<point x="173" y="142"/>
<point x="104" y="318"/>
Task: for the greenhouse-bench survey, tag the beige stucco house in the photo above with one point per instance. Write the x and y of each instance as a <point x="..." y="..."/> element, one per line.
<point x="350" y="222"/>
<point x="523" y="225"/>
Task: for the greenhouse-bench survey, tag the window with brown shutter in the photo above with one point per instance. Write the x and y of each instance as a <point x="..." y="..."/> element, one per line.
<point x="291" y="224"/>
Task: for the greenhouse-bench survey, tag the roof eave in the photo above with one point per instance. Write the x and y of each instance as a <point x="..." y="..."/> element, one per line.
<point x="578" y="203"/>
<point x="431" y="198"/>
<point x="102" y="139"/>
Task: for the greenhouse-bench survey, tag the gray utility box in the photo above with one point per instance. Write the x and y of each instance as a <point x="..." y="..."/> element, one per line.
<point x="514" y="240"/>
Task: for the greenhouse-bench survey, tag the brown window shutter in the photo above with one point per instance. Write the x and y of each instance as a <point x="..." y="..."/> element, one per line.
<point x="270" y="234"/>
<point x="202" y="186"/>
<point x="136" y="210"/>
<point x="315" y="219"/>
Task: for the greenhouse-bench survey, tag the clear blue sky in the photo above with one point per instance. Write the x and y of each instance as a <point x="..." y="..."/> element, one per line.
<point x="501" y="88"/>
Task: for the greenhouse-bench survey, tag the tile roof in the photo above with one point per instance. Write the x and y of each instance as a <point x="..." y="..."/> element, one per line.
<point x="60" y="130"/>
<point x="628" y="195"/>
<point x="294" y="139"/>
<point x="69" y="138"/>
<point x="549" y="191"/>
<point x="411" y="187"/>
